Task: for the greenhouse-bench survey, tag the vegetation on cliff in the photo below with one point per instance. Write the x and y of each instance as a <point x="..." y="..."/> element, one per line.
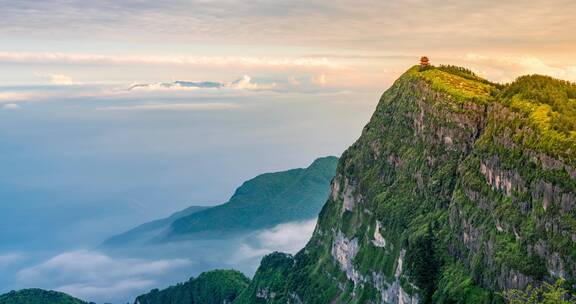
<point x="218" y="286"/>
<point x="545" y="294"/>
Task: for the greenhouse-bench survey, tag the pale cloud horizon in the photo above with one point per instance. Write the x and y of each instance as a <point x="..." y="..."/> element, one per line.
<point x="174" y="107"/>
<point x="90" y="274"/>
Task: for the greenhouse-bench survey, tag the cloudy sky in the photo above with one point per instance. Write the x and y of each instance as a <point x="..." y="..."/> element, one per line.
<point x="113" y="113"/>
<point x="338" y="43"/>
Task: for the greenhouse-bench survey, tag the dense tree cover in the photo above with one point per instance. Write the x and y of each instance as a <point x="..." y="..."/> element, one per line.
<point x="549" y="108"/>
<point x="424" y="263"/>
<point x="464" y="73"/>
<point x="267" y="200"/>
<point x="269" y="282"/>
<point x="38" y="296"/>
<point x="217" y="286"/>
<point x="545" y="294"/>
<point x="558" y="94"/>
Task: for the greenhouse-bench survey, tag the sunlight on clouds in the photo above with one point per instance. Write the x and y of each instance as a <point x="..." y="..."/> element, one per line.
<point x="174" y="107"/>
<point x="17" y="96"/>
<point x="58" y="79"/>
<point x="207" y="61"/>
<point x="507" y="68"/>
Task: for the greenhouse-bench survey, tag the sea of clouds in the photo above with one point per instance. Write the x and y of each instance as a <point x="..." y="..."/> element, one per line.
<point x="117" y="276"/>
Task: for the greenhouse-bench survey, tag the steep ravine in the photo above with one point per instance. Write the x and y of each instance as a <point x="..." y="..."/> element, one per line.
<point x="448" y="196"/>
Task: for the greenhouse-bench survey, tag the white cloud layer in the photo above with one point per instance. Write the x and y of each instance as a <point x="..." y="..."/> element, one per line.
<point x="288" y="237"/>
<point x="11" y="106"/>
<point x="93" y="275"/>
<point x="88" y="274"/>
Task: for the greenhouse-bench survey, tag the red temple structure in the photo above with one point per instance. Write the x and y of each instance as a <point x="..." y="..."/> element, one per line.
<point x="424" y="62"/>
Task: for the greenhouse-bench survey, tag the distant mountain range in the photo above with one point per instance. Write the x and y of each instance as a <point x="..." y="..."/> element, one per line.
<point x="244" y="82"/>
<point x="262" y="202"/>
<point x="152" y="229"/>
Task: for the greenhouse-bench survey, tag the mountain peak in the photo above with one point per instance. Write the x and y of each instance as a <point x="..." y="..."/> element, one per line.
<point x="448" y="196"/>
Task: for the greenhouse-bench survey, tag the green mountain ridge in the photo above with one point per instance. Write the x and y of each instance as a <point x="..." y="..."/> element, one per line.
<point x="265" y="201"/>
<point x="217" y="286"/>
<point x="38" y="296"/>
<point x="150" y="230"/>
<point x="262" y="202"/>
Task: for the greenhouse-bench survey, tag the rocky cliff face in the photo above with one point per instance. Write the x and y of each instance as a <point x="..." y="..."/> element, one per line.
<point x="447" y="196"/>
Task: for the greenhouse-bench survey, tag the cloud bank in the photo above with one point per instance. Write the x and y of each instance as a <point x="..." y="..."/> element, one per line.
<point x="288" y="237"/>
<point x="89" y="274"/>
<point x="95" y="275"/>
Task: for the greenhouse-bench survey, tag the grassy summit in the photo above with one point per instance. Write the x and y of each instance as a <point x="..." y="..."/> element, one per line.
<point x="460" y="83"/>
<point x="545" y="106"/>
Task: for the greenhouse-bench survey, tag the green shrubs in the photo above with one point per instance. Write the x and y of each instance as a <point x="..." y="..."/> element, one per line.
<point x="545" y="294"/>
<point x="456" y="286"/>
<point x="217" y="286"/>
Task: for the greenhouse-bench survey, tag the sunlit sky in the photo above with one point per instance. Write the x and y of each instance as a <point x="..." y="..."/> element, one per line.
<point x="113" y="113"/>
<point x="331" y="43"/>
